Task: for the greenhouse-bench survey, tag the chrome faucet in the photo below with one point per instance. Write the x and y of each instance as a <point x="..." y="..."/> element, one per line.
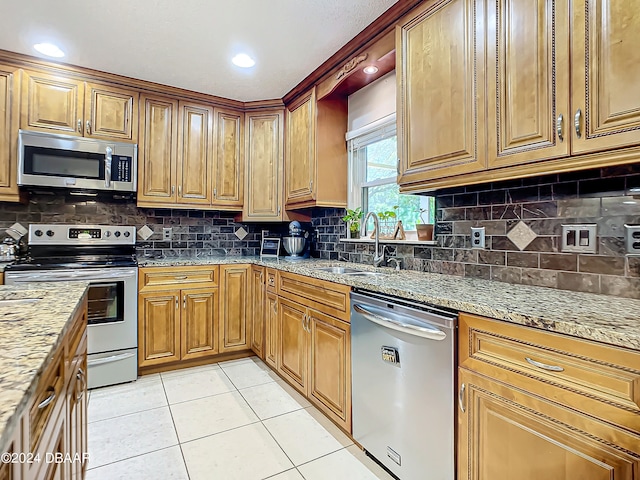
<point x="378" y="258"/>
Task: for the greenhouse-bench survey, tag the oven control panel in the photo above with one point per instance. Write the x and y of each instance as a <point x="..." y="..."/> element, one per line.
<point x="40" y="234"/>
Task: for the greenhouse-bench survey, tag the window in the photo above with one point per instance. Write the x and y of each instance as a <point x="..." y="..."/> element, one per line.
<point x="373" y="157"/>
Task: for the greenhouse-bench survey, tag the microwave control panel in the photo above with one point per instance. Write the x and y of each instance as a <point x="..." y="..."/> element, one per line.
<point x="120" y="168"/>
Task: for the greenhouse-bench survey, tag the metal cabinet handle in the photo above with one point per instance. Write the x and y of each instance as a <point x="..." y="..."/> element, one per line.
<point x="559" y="127"/>
<point x="544" y="366"/>
<point x="177" y="303"/>
<point x="180" y="277"/>
<point x="108" y="157"/>
<point x="79" y="126"/>
<point x="179" y="190"/>
<point x="80" y="377"/>
<point x="576" y="122"/>
<point x="88" y="129"/>
<point x="275" y="308"/>
<point x="461" y="397"/>
<point x="173" y="189"/>
<point x="184" y="301"/>
<point x="215" y="193"/>
<point x="47" y="401"/>
<point x="311" y="185"/>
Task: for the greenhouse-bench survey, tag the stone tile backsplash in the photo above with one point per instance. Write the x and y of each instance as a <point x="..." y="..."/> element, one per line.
<point x="542" y="204"/>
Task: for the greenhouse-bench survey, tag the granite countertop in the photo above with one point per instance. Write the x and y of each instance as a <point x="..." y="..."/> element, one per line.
<point x="30" y="333"/>
<point x="602" y="318"/>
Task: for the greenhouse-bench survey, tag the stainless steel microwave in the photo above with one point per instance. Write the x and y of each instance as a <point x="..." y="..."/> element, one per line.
<point x="49" y="160"/>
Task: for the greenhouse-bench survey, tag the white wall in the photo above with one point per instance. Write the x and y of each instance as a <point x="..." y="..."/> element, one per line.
<point x="372" y="102"/>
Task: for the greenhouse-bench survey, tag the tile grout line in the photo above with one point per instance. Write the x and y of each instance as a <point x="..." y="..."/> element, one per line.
<point x="134" y="456"/>
<point x="184" y="460"/>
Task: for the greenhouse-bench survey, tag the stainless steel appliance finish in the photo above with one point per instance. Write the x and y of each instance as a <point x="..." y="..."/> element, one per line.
<point x="48" y="160"/>
<point x="403" y="385"/>
<point x="104" y="257"/>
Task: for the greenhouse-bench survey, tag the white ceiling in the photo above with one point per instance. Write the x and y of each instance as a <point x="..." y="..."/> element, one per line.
<point x="189" y="43"/>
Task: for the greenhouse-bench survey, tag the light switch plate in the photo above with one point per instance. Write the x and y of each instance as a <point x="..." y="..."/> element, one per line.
<point x="579" y="238"/>
<point x="477" y="237"/>
<point x="632" y="239"/>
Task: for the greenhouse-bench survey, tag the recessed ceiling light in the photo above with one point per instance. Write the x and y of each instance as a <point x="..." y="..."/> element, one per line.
<point x="370" y="70"/>
<point x="49" y="50"/>
<point x="243" y="60"/>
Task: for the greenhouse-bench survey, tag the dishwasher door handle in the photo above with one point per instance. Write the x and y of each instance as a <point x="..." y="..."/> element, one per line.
<point x="430" y="333"/>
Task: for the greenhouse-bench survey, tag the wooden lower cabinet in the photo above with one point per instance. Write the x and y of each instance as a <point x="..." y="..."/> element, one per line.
<point x="271" y="328"/>
<point x="77" y="404"/>
<point x="234" y="328"/>
<point x="177" y="325"/>
<point x="257" y="292"/>
<point x="505" y="433"/>
<point x="314" y="356"/>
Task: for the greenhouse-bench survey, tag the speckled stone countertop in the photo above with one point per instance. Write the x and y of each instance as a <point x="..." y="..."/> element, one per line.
<point x="603" y="318"/>
<point x="30" y="333"/>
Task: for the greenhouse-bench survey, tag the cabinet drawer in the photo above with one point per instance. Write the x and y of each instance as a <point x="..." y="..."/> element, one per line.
<point x="271" y="283"/>
<point x="47" y="400"/>
<point x="599" y="379"/>
<point x="326" y="297"/>
<point x="161" y="278"/>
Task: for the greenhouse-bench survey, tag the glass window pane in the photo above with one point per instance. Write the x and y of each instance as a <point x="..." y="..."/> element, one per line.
<point x="381" y="159"/>
<point x="384" y="198"/>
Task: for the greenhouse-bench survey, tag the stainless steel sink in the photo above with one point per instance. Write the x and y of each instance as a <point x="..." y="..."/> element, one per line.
<point x="17" y="301"/>
<point x="352" y="272"/>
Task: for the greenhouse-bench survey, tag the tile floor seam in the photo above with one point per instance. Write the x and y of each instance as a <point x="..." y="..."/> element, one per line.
<point x="128" y="414"/>
<point x="199" y="398"/>
<point x="214" y="434"/>
<point x="133" y="456"/>
<point x="173" y="421"/>
<point x="280" y="446"/>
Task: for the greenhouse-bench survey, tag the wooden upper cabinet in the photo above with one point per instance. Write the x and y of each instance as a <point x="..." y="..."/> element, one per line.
<point x="110" y="112"/>
<point x="504" y="433"/>
<point x="157" y="150"/>
<point x="440" y="72"/>
<point x="604" y="74"/>
<point x="529" y="116"/>
<point x="199" y="323"/>
<point x="264" y="163"/>
<point x="9" y="101"/>
<point x="195" y="153"/>
<point x="52" y="104"/>
<point x="228" y="163"/>
<point x="300" y="151"/>
<point x="234" y="308"/>
<point x="316" y="152"/>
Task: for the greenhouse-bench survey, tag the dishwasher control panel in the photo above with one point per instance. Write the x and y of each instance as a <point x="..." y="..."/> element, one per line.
<point x="390" y="355"/>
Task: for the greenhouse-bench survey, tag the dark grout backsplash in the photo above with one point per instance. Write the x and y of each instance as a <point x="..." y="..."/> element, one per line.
<point x="599" y="196"/>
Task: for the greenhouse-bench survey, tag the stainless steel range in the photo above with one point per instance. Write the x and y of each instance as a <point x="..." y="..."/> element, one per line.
<point x="104" y="256"/>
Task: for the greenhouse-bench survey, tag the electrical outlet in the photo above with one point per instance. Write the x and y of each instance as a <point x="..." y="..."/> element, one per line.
<point x="580" y="238"/>
<point x="632" y="239"/>
<point x="477" y="237"/>
<point x="166" y="233"/>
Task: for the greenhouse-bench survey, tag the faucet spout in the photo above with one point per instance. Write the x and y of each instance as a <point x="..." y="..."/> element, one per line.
<point x="378" y="258"/>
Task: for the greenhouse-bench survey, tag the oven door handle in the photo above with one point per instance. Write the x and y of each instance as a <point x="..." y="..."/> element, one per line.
<point x="431" y="333"/>
<point x="63" y="277"/>
<point x="111" y="359"/>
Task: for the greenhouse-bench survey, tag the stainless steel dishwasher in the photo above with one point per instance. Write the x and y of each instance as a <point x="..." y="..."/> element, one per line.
<point x="402" y="358"/>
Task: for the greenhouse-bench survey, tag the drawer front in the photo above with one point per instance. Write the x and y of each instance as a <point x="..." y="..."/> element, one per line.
<point x="326" y="297"/>
<point x="579" y="373"/>
<point x="271" y="283"/>
<point x="161" y="278"/>
<point x="47" y="400"/>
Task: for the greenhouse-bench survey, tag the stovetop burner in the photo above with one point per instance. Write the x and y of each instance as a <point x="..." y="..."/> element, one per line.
<point x="67" y="262"/>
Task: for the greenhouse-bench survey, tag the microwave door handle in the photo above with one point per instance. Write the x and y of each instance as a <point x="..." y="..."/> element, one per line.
<point x="107" y="167"/>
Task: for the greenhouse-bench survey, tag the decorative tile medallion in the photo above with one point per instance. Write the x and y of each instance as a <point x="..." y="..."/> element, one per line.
<point x="521" y="235"/>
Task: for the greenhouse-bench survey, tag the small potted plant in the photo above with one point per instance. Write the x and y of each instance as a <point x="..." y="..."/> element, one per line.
<point x="353" y="218"/>
<point x="387" y="222"/>
<point x="424" y="229"/>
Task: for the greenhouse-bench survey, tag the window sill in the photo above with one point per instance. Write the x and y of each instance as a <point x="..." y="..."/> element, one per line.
<point x="397" y="242"/>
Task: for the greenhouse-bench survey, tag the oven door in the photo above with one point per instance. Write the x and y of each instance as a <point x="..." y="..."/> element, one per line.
<point x="112" y="303"/>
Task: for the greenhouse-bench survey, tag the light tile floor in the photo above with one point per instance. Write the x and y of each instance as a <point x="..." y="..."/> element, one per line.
<point x="231" y="420"/>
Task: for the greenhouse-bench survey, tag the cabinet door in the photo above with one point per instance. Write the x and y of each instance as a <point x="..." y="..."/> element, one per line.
<point x="195" y="153"/>
<point x="8" y="133"/>
<point x="301" y="150"/>
<point x="604" y="76"/>
<point x="257" y="312"/>
<point x="228" y="176"/>
<point x="292" y="344"/>
<point x="235" y="330"/>
<point x="529" y="115"/>
<point x="264" y="159"/>
<point x="157" y="153"/>
<point x="158" y="328"/>
<point x="440" y="82"/>
<point x="110" y="113"/>
<point x="330" y="367"/>
<point x="52" y="104"/>
<point x="271" y="330"/>
<point x="77" y="412"/>
<point x="505" y="434"/>
<point x="199" y="323"/>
